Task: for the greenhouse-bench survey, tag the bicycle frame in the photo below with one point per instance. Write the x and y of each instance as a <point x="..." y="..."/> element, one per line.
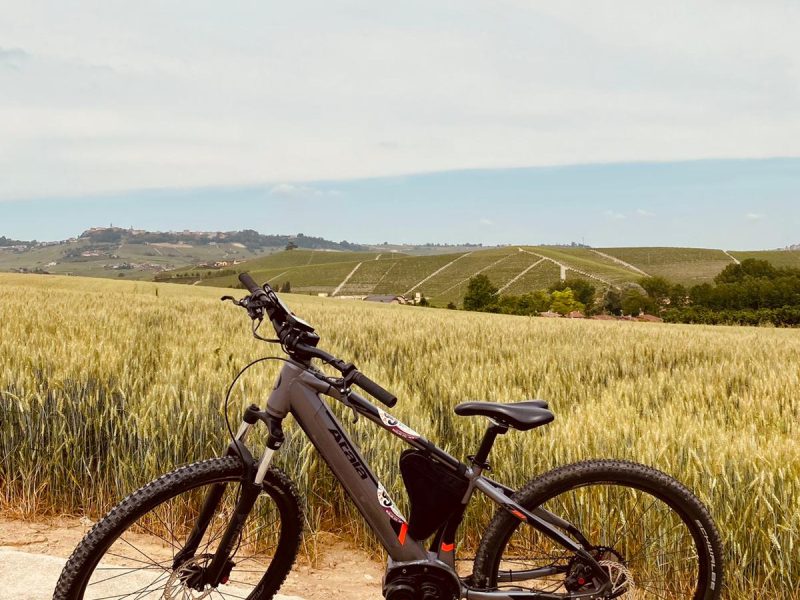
<point x="297" y="392"/>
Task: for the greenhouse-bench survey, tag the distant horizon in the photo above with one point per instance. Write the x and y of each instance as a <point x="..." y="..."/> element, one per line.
<point x="375" y="245"/>
<point x="483" y="121"/>
<point x="736" y="204"/>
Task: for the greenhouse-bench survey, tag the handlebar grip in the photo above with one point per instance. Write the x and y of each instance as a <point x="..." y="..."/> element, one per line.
<point x="372" y="388"/>
<point x="250" y="283"/>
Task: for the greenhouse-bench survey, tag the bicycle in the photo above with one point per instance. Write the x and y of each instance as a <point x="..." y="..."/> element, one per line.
<point x="231" y="526"/>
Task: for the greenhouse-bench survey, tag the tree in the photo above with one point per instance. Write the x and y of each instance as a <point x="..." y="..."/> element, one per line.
<point x="286" y="287"/>
<point x="678" y="296"/>
<point x="634" y="302"/>
<point x="423" y="301"/>
<point x="657" y="288"/>
<point x="291" y="245"/>
<point x="452" y="306"/>
<point x="481" y="294"/>
<point x="582" y="290"/>
<point x="564" y="302"/>
<point x="536" y="302"/>
<point x="612" y="301"/>
<point x="750" y="267"/>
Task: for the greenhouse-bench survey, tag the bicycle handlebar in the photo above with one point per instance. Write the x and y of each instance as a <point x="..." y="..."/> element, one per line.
<point x="299" y="337"/>
<point x="375" y="390"/>
<point x="250" y="283"/>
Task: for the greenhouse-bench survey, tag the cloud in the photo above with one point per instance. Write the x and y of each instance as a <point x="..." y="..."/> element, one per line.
<point x="13" y="57"/>
<point x="293" y="190"/>
<point x="754" y="216"/>
<point x="219" y="94"/>
<point x="485" y="221"/>
<point x="645" y="213"/>
<point x="616" y="216"/>
<point x="13" y="54"/>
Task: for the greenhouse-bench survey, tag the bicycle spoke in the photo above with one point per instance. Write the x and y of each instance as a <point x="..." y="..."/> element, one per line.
<point x="127" y="572"/>
<point x="648" y="544"/>
<point x="159" y="565"/>
<point x="638" y="520"/>
<point x="139" y="591"/>
<point x="227" y="594"/>
<point x="627" y="525"/>
<point x="174" y="546"/>
<point x="151" y="532"/>
<point x="152" y="562"/>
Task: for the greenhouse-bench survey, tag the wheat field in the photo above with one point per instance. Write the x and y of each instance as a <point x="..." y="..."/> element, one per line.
<point x="104" y="385"/>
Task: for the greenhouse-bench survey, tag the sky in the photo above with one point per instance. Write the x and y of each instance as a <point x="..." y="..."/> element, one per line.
<point x="731" y="204"/>
<point x="137" y="111"/>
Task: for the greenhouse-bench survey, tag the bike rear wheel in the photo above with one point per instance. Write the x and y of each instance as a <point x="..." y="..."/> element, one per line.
<point x="655" y="539"/>
<point x="130" y="552"/>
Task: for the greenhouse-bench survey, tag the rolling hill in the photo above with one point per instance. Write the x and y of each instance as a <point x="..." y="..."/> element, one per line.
<point x="443" y="278"/>
<point x="129" y="260"/>
<point x="139" y="254"/>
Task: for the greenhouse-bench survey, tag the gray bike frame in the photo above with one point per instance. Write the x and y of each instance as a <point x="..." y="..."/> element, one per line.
<point x="297" y="392"/>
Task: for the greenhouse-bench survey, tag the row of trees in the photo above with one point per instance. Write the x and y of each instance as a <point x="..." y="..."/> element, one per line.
<point x="247" y="237"/>
<point x="564" y="298"/>
<point x="751" y="293"/>
<point x="5" y="242"/>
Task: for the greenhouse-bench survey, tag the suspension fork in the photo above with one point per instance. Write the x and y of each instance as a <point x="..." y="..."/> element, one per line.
<point x="214" y="496"/>
<point x="221" y="564"/>
<point x="252" y="486"/>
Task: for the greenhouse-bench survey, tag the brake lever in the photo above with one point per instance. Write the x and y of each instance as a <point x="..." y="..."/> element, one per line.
<point x="348" y="404"/>
<point x="254" y="309"/>
<point x="344" y="389"/>
<point x="243" y="302"/>
<point x="256" y="313"/>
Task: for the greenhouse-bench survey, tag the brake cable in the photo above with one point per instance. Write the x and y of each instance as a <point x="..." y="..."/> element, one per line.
<point x="256" y="313"/>
<point x="228" y="398"/>
<point x="256" y="324"/>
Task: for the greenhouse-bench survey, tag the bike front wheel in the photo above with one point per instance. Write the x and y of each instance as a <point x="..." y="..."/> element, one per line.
<point x="655" y="539"/>
<point x="131" y="551"/>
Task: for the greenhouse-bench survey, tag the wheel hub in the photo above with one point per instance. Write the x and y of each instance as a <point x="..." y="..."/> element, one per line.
<point x="579" y="574"/>
<point x="179" y="585"/>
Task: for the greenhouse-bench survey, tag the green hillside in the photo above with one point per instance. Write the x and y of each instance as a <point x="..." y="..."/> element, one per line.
<point x="688" y="266"/>
<point x="138" y="254"/>
<point x="124" y="260"/>
<point x="443" y="278"/>
<point x="779" y="258"/>
<point x="440" y="277"/>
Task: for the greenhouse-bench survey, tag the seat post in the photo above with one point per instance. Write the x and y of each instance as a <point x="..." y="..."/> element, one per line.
<point x="494" y="429"/>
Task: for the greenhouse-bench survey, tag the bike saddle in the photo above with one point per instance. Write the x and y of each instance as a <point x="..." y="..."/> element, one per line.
<point x="519" y="415"/>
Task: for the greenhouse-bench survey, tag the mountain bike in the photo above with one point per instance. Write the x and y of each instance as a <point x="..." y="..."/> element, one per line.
<point x="230" y="527"/>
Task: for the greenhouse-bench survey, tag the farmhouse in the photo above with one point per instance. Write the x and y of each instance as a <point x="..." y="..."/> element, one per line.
<point x="387" y="299"/>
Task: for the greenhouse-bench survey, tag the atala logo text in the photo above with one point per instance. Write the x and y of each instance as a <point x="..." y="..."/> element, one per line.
<point x="350" y="453"/>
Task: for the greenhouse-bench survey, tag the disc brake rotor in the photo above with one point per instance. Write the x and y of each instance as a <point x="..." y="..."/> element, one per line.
<point x="176" y="588"/>
<point x="620" y="576"/>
